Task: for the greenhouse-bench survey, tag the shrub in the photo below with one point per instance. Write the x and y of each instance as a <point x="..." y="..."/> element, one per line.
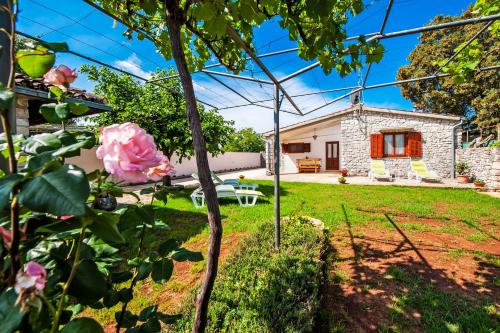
<point x="260" y="290"/>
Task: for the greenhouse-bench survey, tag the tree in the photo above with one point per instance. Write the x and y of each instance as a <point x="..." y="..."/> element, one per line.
<point x="192" y="31"/>
<point x="245" y="140"/>
<point x="475" y="98"/>
<point x="158" y="108"/>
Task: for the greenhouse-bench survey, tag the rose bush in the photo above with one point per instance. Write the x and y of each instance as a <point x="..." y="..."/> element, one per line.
<point x="61" y="251"/>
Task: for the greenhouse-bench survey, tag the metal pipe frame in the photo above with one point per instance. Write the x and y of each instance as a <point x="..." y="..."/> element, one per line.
<point x="276" y="157"/>
<point x="105" y="65"/>
<point x="381" y="31"/>
<point x="246" y="78"/>
<point x="450" y="59"/>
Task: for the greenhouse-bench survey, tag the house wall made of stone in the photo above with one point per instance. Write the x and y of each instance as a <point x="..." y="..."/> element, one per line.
<point x="356" y="128"/>
<point x="22" y="115"/>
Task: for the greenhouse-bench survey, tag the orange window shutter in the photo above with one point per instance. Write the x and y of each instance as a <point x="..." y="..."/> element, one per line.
<point x="376" y="145"/>
<point x="307" y="147"/>
<point x="414" y="144"/>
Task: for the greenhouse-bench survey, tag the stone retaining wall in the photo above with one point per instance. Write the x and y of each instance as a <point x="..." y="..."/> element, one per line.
<point x="484" y="163"/>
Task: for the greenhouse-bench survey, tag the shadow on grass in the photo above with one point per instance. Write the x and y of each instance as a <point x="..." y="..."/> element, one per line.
<point x="390" y="285"/>
<point x="485" y="232"/>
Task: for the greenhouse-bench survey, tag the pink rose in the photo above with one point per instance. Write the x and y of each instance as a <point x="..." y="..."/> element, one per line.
<point x="33" y="278"/>
<point x="128" y="152"/>
<point x="61" y="76"/>
<point x="158" y="172"/>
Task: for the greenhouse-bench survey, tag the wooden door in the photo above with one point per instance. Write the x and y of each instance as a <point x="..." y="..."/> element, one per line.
<point x="332" y="156"/>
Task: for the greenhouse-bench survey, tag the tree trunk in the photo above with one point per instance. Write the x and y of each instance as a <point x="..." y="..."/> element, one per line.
<point x="214" y="219"/>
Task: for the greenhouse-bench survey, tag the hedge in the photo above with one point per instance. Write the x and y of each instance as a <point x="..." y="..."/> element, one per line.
<point x="259" y="290"/>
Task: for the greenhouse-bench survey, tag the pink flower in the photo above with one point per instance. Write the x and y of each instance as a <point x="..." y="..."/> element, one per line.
<point x="7" y="236"/>
<point x="128" y="152"/>
<point x="33" y="277"/>
<point x="61" y="76"/>
<point x="158" y="172"/>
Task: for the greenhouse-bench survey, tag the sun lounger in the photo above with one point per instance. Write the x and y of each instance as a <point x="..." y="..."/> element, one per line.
<point x="419" y="171"/>
<point x="245" y="197"/>
<point x="378" y="171"/>
<point x="234" y="182"/>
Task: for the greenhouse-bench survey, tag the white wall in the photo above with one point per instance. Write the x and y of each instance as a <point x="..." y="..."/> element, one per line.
<point x="228" y="161"/>
<point x="328" y="131"/>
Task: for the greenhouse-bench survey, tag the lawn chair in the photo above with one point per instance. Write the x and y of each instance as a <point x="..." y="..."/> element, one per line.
<point x="419" y="171"/>
<point x="234" y="182"/>
<point x="245" y="198"/>
<point x="378" y="171"/>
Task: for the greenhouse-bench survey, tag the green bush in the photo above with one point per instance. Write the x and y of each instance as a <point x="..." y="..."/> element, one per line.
<point x="260" y="290"/>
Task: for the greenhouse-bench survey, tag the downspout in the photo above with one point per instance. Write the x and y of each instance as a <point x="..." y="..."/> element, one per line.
<point x="453" y="146"/>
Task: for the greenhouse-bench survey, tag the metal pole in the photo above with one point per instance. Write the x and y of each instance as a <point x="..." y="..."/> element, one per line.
<point x="277" y="227"/>
<point x="5" y="69"/>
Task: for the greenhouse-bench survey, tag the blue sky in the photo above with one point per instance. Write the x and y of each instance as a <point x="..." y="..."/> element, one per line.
<point x="91" y="33"/>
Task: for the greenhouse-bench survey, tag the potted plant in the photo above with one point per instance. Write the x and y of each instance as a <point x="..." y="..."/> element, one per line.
<point x="462" y="169"/>
<point x="344" y="172"/>
<point x="242" y="177"/>
<point x="342" y="180"/>
<point x="479" y="183"/>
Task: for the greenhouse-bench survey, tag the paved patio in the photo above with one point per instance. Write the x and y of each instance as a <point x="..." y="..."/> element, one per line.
<point x="324" y="178"/>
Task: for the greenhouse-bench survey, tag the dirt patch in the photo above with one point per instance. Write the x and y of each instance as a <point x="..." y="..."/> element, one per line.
<point x="360" y="290"/>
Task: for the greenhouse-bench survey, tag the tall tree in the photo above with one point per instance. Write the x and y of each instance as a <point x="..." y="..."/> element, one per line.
<point x="475" y="97"/>
<point x="160" y="109"/>
<point x="192" y="31"/>
<point x="245" y="140"/>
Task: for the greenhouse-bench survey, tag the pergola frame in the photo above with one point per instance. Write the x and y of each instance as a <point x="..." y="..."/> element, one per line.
<point x="279" y="92"/>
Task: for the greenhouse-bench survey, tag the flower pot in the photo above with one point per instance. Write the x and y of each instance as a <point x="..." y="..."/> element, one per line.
<point x="344" y="172"/>
<point x="479" y="184"/>
<point x="462" y="179"/>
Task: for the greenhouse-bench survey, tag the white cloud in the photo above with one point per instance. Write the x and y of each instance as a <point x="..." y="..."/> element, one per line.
<point x="133" y="65"/>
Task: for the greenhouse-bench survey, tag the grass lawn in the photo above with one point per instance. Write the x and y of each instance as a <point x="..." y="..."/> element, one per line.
<point x="387" y="243"/>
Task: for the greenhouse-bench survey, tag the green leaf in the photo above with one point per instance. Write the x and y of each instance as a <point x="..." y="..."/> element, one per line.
<point x="83" y="325"/>
<point x="147" y="312"/>
<point x="183" y="255"/>
<point x="168" y="319"/>
<point x="105" y="227"/>
<point x="144" y="270"/>
<point x="10" y="312"/>
<point x="167" y="247"/>
<point x="125" y="295"/>
<point x="62" y="110"/>
<point x="146" y="190"/>
<point x="56" y="47"/>
<point x="162" y="195"/>
<point x="6" y="185"/>
<point x="37" y="62"/>
<point x="89" y="284"/>
<point x="119" y="277"/>
<point x="37" y="144"/>
<point x="78" y="108"/>
<point x="6" y="98"/>
<point x="151" y="326"/>
<point x="162" y="270"/>
<point x="42" y="162"/>
<point x="50" y="114"/>
<point x="55" y="93"/>
<point x="60" y="192"/>
<point x="129" y="319"/>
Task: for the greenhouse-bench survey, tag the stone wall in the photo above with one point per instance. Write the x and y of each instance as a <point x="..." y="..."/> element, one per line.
<point x="484" y="164"/>
<point x="355" y="141"/>
<point x="22" y="115"/>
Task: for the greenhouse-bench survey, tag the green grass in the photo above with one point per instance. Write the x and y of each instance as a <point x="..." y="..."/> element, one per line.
<point x="438" y="311"/>
<point x="456" y="209"/>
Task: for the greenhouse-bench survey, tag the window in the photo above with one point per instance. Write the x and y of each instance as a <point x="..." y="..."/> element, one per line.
<point x="400" y="144"/>
<point x="394" y="144"/>
<point x="296" y="147"/>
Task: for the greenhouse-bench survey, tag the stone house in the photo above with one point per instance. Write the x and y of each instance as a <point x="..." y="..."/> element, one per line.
<point x="350" y="138"/>
<point x="32" y="93"/>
